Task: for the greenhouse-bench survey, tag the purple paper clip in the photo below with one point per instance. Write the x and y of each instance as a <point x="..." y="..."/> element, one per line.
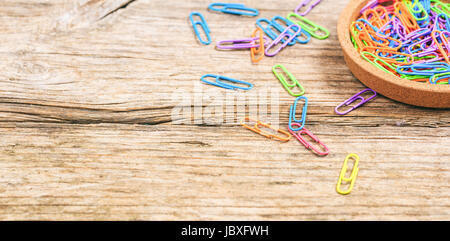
<point x="241" y="43"/>
<point x="305" y="3"/>
<point x="280" y="37"/>
<point x="353" y="99"/>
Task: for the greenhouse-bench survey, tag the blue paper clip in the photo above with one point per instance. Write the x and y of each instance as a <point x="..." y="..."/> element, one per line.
<point x="293" y="111"/>
<point x="203" y="24"/>
<point x="221" y="84"/>
<point x="353" y="99"/>
<point x="287" y="23"/>
<point x="234" y="8"/>
<point x="269" y="32"/>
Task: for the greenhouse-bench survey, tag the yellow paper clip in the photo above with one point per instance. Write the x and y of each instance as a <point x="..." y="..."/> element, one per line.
<point x="353" y="176"/>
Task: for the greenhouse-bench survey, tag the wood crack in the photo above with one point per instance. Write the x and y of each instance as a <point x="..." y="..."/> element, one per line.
<point x="89" y="13"/>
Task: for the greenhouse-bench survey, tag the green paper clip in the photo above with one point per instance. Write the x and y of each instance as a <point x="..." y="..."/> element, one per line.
<point x="288" y="86"/>
<point x="421" y="11"/>
<point x="440" y="7"/>
<point x="309" y="26"/>
<point x="437" y="77"/>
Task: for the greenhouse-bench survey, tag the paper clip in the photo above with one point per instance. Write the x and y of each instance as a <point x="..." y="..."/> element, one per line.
<point x="288" y="85"/>
<point x="306" y="36"/>
<point x="304" y="4"/>
<point x="371" y="4"/>
<point x="270" y="30"/>
<point x="424" y="69"/>
<point x="352" y="177"/>
<point x="388" y="54"/>
<point x="405" y="16"/>
<point x="258" y="51"/>
<point x="435" y="79"/>
<point x="379" y="63"/>
<point x="353" y="99"/>
<point x="221" y="84"/>
<point x="446" y="22"/>
<point x="283" y="35"/>
<point x="267" y="30"/>
<point x="234" y="8"/>
<point x="202" y="24"/>
<point x="308" y="146"/>
<point x="441" y="44"/>
<point x="309" y="26"/>
<point x="242" y="43"/>
<point x="293" y="110"/>
<point x="256" y="128"/>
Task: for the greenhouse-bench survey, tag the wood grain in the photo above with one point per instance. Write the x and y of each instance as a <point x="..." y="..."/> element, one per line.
<point x="86" y="97"/>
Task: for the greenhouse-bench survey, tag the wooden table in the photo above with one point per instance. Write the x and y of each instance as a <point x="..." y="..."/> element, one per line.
<point x="87" y="90"/>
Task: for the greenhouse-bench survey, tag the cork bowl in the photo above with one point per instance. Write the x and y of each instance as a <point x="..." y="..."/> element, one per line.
<point x="393" y="87"/>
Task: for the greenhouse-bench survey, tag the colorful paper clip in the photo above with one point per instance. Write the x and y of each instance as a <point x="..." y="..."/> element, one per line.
<point x="441" y="44"/>
<point x="258" y="51"/>
<point x="219" y="83"/>
<point x="242" y="43"/>
<point x="303" y="38"/>
<point x="437" y="78"/>
<point x="308" y="146"/>
<point x="289" y="85"/>
<point x="202" y="24"/>
<point x="256" y="128"/>
<point x="378" y="62"/>
<point x="292" y="114"/>
<point x="234" y="8"/>
<point x="352" y="178"/>
<point x="304" y="4"/>
<point x="353" y="99"/>
<point x="271" y="30"/>
<point x="424" y="69"/>
<point x="283" y="35"/>
<point x="309" y="26"/>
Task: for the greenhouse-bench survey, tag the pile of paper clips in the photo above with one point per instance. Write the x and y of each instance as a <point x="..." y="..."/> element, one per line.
<point x="277" y="34"/>
<point x="406" y="38"/>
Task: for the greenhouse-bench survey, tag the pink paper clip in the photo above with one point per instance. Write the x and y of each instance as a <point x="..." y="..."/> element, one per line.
<point x="284" y="34"/>
<point x="242" y="43"/>
<point x="308" y="146"/>
<point x="305" y="3"/>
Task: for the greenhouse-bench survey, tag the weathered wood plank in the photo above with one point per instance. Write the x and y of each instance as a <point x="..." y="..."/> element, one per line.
<point x="159" y="172"/>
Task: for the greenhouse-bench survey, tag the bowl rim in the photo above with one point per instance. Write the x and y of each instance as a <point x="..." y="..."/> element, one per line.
<point x="345" y="19"/>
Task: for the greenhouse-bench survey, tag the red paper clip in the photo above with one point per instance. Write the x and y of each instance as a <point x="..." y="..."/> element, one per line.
<point x="308" y="146"/>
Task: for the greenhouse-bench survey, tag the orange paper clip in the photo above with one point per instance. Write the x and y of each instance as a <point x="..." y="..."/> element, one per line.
<point x="402" y="12"/>
<point x="434" y="35"/>
<point x="258" y="51"/>
<point x="374" y="17"/>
